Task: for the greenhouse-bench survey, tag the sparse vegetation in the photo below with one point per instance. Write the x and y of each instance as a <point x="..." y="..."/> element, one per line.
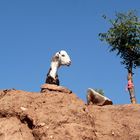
<point x="100" y="91"/>
<point x="123" y="38"/>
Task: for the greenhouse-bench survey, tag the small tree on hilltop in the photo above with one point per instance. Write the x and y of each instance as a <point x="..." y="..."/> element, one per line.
<point x="123" y="37"/>
<point x="100" y="91"/>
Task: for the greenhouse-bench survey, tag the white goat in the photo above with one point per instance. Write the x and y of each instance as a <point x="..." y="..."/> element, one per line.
<point x="93" y="97"/>
<point x="59" y="59"/>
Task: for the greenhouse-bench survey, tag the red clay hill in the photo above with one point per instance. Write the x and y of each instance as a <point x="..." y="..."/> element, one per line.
<point x="61" y="115"/>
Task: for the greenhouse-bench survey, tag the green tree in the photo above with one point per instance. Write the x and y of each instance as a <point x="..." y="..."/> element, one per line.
<point x="123" y="38"/>
<point x="100" y="91"/>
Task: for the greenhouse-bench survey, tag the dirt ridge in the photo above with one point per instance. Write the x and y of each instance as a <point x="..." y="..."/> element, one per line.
<point x="56" y="115"/>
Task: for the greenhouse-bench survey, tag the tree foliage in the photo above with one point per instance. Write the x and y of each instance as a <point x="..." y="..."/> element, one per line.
<point x="123" y="37"/>
<point x="100" y="91"/>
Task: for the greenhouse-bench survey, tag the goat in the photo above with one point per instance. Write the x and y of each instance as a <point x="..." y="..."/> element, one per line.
<point x="59" y="59"/>
<point x="95" y="98"/>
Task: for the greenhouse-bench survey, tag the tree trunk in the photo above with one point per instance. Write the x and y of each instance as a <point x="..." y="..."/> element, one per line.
<point x="131" y="86"/>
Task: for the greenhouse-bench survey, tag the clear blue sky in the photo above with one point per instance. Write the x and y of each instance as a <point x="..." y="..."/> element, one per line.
<point x="31" y="31"/>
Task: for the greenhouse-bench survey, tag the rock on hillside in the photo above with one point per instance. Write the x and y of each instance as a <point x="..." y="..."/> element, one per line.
<point x="56" y="115"/>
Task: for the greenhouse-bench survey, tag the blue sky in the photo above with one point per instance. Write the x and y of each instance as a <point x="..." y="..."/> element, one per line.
<point x="31" y="31"/>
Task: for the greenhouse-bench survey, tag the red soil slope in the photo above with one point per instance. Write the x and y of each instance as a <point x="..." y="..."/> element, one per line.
<point x="62" y="116"/>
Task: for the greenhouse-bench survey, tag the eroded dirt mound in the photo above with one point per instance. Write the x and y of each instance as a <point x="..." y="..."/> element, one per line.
<point x="61" y="116"/>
